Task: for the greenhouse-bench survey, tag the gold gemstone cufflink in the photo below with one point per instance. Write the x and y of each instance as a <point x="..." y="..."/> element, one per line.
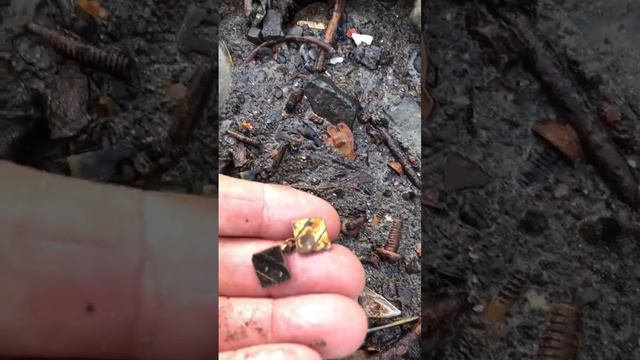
<point x="309" y="236"/>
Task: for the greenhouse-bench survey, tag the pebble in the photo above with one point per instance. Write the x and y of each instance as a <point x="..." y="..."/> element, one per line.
<point x="330" y="102"/>
<point x="67" y="97"/>
<point x="405" y="120"/>
<point x="254" y="35"/>
<point x="369" y="56"/>
<point x="534" y="222"/>
<point x="586" y="296"/>
<point x="561" y="191"/>
<point x="272" y="25"/>
<point x="462" y="173"/>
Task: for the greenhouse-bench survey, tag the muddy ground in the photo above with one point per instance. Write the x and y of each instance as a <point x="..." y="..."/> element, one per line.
<point x="119" y="128"/>
<point x="365" y="187"/>
<point x="556" y="220"/>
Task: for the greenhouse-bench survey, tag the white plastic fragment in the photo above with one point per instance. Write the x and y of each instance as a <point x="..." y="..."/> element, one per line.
<point x="336" y="60"/>
<point x="361" y="38"/>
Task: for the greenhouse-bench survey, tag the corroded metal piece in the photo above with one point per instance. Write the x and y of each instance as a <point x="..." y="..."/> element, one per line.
<point x="498" y="307"/>
<point x="113" y="61"/>
<point x="563" y="335"/>
<point x="270" y="266"/>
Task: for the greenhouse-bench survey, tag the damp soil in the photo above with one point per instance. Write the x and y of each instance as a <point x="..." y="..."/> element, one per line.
<point x="119" y="128"/>
<point x="529" y="208"/>
<point x="364" y="187"/>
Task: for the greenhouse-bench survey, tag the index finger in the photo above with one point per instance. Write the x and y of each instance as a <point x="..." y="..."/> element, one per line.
<point x="257" y="210"/>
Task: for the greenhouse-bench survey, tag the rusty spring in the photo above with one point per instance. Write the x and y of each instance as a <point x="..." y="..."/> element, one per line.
<point x="563" y="334"/>
<point x="115" y="62"/>
<point x="393" y="241"/>
<point x="514" y="287"/>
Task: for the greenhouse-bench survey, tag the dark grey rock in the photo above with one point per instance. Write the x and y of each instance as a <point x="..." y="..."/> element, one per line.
<point x="329" y="102"/>
<point x="586" y="296"/>
<point x="369" y="56"/>
<point x="254" y="35"/>
<point x="112" y="164"/>
<point x="272" y="25"/>
<point x="67" y="96"/>
<point x="534" y="222"/>
<point x="462" y="173"/>
<point x="295" y="31"/>
<point x="405" y="120"/>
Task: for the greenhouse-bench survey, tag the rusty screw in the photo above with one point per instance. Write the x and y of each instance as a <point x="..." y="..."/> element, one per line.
<point x="389" y="250"/>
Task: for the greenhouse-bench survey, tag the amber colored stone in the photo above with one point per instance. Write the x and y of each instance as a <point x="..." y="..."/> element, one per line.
<point x="311" y="235"/>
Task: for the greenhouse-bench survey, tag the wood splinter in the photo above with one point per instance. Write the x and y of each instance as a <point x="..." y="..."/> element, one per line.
<point x="330" y="33"/>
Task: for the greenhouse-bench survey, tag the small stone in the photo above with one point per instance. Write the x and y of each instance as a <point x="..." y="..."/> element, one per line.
<point x="295" y="31"/>
<point x="254" y="35"/>
<point x="462" y="173"/>
<point x="67" y="97"/>
<point x="331" y="103"/>
<point x="294" y="99"/>
<point x="405" y="121"/>
<point x="561" y="191"/>
<point x="586" y="296"/>
<point x="534" y="222"/>
<point x="279" y="93"/>
<point x="112" y="164"/>
<point x="272" y="25"/>
<point x="369" y="56"/>
<point x="270" y="267"/>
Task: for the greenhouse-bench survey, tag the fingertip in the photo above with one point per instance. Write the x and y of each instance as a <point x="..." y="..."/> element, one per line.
<point x="353" y="325"/>
<point x="272" y="352"/>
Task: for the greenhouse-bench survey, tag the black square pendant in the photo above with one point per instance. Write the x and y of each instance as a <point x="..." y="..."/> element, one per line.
<point x="270" y="267"/>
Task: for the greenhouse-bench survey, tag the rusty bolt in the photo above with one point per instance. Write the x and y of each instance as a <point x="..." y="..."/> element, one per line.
<point x="390" y="249"/>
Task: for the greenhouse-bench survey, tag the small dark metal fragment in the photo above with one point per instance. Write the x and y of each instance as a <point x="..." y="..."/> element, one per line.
<point x="190" y="110"/>
<point x="462" y="173"/>
<point x="294" y="99"/>
<point x="279" y="155"/>
<point x="114" y="61"/>
<point x="270" y="267"/>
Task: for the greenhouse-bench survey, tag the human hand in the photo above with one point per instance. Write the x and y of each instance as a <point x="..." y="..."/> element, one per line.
<point x="95" y="271"/>
<point x="313" y="315"/>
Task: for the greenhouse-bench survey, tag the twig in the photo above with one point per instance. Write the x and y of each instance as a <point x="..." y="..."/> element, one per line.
<point x="397" y="153"/>
<point x="307" y="39"/>
<point x="247" y="7"/>
<point x="245" y="139"/>
<point x="610" y="163"/>
<point x="330" y="33"/>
